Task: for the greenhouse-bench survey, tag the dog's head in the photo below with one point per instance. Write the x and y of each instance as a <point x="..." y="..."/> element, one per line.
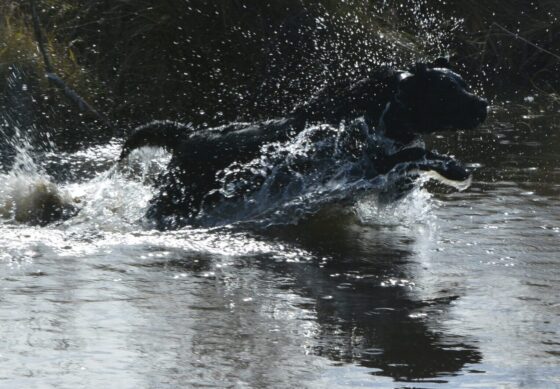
<point x="435" y="98"/>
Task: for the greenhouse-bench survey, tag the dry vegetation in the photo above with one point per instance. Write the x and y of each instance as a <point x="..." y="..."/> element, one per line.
<point x="210" y="61"/>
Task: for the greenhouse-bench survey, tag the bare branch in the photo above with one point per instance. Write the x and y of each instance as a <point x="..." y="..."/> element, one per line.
<point x="55" y="79"/>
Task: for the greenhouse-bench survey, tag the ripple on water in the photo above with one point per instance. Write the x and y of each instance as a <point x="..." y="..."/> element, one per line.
<point x="431" y="288"/>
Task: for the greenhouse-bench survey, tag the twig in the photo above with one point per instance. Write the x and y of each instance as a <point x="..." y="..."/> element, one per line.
<point x="40" y="38"/>
<point x="517" y="36"/>
<point x="56" y="80"/>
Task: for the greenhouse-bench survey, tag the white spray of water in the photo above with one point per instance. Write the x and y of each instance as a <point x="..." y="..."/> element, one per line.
<point x="287" y="182"/>
<point x="27" y="193"/>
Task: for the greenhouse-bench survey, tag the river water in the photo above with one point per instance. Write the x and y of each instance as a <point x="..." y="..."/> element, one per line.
<point x="439" y="289"/>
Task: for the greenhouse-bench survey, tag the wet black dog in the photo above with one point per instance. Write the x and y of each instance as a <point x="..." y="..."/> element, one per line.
<point x="401" y="105"/>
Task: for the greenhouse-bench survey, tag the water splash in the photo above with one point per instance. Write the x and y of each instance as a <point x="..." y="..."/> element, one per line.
<point x="85" y="187"/>
<point x="28" y="194"/>
<point x="116" y="199"/>
<point x="321" y="166"/>
<point x="291" y="181"/>
<point x="417" y="207"/>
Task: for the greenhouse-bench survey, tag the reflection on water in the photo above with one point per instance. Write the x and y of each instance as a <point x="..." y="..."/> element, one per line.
<point x="368" y="309"/>
<point x="455" y="289"/>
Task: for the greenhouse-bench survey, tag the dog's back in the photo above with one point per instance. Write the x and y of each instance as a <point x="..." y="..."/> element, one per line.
<point x="346" y="100"/>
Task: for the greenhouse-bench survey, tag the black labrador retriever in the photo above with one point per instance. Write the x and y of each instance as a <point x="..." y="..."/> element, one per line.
<point x="401" y="105"/>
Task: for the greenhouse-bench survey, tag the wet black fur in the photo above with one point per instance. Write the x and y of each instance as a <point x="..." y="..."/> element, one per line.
<point x="401" y="104"/>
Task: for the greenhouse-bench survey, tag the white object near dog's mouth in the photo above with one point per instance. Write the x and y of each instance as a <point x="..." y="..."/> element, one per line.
<point x="460" y="185"/>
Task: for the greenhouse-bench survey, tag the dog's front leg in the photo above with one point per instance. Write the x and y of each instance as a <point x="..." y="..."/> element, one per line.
<point x="421" y="159"/>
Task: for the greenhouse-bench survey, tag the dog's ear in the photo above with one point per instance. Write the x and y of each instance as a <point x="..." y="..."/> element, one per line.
<point x="441" y="62"/>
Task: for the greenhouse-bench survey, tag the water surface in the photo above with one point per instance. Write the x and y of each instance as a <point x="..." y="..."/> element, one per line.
<point x="440" y="289"/>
